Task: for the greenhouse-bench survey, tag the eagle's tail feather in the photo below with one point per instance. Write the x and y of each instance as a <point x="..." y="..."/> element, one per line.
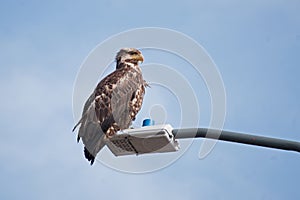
<point x="89" y="156"/>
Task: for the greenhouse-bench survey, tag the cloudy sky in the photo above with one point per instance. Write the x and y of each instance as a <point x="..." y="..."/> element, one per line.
<point x="255" y="46"/>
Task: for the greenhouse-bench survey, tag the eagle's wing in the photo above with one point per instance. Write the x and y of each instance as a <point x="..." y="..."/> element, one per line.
<point x="84" y="112"/>
<point x="127" y="91"/>
<point x="90" y="130"/>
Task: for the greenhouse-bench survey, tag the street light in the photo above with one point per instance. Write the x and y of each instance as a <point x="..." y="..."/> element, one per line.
<point x="163" y="138"/>
<point x="237" y="137"/>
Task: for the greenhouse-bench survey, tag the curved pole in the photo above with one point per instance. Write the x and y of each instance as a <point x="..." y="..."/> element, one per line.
<point x="237" y="137"/>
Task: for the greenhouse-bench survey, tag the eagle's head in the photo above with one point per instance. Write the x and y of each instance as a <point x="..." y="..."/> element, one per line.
<point x="129" y="55"/>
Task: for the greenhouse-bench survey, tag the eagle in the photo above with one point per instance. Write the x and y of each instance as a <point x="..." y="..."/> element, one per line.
<point x="114" y="103"/>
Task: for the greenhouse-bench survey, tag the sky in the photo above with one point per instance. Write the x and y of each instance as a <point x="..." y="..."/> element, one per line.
<point x="254" y="45"/>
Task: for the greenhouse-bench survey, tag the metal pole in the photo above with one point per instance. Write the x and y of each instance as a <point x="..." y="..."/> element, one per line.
<point x="237" y="137"/>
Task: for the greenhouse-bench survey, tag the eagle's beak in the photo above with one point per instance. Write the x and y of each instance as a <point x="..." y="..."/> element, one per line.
<point x="140" y="58"/>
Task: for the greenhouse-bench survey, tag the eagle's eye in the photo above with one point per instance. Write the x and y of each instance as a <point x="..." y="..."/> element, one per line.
<point x="132" y="53"/>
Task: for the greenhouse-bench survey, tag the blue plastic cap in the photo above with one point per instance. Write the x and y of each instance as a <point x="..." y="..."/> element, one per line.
<point x="148" y="122"/>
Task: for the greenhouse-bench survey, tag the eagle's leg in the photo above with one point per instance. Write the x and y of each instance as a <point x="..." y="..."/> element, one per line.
<point x="111" y="131"/>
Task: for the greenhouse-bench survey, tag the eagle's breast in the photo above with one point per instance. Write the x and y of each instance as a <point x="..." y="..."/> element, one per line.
<point x="118" y="98"/>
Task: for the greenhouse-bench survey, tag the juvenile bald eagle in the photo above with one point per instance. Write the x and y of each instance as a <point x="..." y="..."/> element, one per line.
<point x="114" y="103"/>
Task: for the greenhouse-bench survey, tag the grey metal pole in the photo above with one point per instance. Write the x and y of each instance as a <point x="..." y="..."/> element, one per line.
<point x="237" y="137"/>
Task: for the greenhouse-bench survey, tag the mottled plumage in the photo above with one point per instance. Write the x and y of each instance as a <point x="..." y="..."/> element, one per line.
<point x="114" y="103"/>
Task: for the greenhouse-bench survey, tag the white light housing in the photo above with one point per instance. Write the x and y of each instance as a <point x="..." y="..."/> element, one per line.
<point x="148" y="139"/>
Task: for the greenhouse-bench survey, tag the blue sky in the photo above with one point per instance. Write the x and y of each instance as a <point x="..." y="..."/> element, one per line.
<point x="255" y="45"/>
